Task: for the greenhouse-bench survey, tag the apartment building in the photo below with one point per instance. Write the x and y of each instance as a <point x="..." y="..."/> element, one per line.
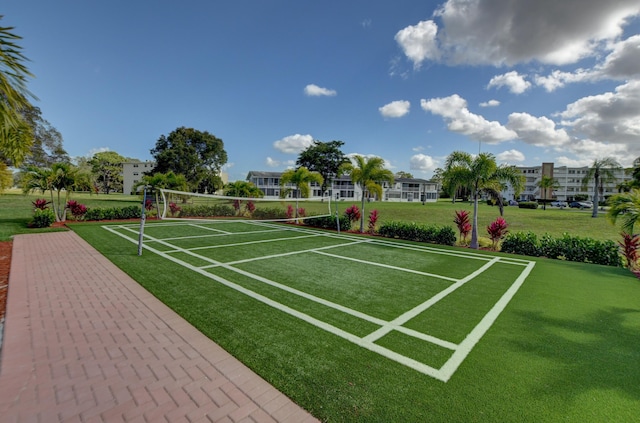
<point x="569" y="181"/>
<point x="402" y="189"/>
<point x="132" y="173"/>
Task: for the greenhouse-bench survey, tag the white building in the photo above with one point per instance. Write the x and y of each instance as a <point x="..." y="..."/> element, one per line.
<point x="569" y="181"/>
<point x="402" y="189"/>
<point x="132" y="173"/>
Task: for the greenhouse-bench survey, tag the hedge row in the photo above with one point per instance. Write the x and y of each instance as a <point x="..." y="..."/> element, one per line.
<point x="207" y="211"/>
<point x="112" y="213"/>
<point x="422" y="233"/>
<point x="571" y="248"/>
<point x="329" y="222"/>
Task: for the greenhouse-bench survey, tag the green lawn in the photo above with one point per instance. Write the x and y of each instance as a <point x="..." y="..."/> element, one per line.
<point x="16" y="212"/>
<point x="564" y="349"/>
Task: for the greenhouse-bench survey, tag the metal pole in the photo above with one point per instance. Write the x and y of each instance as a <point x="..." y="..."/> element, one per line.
<point x="337" y="214"/>
<point x="142" y="219"/>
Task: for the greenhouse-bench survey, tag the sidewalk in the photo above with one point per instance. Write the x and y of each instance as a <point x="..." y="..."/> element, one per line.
<point x="83" y="342"/>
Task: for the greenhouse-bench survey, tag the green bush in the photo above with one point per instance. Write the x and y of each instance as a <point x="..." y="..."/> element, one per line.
<point x="420" y="233"/>
<point x="329" y="222"/>
<point x="113" y="213"/>
<point x="523" y="243"/>
<point x="269" y="213"/>
<point x="43" y="218"/>
<point x="570" y="248"/>
<point x="218" y="210"/>
<point x="528" y="205"/>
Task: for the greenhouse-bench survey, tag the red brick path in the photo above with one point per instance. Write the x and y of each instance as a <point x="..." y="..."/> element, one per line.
<point x="83" y="342"/>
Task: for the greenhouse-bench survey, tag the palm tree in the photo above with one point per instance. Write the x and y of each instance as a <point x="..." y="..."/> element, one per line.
<point x="627" y="207"/>
<point x="601" y="171"/>
<point x="16" y="135"/>
<point x="545" y="183"/>
<point x="479" y="173"/>
<point x="61" y="176"/>
<point x="300" y="178"/>
<point x="368" y="174"/>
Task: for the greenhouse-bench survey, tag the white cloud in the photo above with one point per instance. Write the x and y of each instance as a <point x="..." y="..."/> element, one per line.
<point x="512" y="80"/>
<point x="387" y="164"/>
<point x="490" y="103"/>
<point x="97" y="150"/>
<point x="293" y="144"/>
<point x="454" y="110"/>
<point x="558" y="79"/>
<point x="418" y="149"/>
<point x="624" y="60"/>
<point x="510" y="156"/>
<point x="609" y="117"/>
<point x="312" y="90"/>
<point x="538" y="131"/>
<point x="506" y="32"/>
<point x="395" y="109"/>
<point x="418" y="42"/>
<point x="272" y="162"/>
<point x="422" y="162"/>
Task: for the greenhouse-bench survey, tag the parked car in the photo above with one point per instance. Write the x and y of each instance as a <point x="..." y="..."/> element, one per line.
<point x="581" y="204"/>
<point x="559" y="204"/>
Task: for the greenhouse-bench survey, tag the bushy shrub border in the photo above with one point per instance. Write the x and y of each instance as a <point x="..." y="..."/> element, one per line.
<point x="43" y="218"/>
<point x="329" y="222"/>
<point x="113" y="213"/>
<point x="444" y="235"/>
<point x="571" y="248"/>
<point x="528" y="205"/>
<point x="207" y="211"/>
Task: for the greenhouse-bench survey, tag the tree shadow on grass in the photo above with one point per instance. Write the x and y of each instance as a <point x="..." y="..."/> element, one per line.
<point x="598" y="352"/>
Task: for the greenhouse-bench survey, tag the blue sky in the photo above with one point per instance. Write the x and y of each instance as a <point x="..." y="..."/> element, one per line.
<point x="408" y="81"/>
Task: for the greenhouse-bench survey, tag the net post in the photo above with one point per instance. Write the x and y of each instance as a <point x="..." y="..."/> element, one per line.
<point x="142" y="219"/>
<point x="337" y="214"/>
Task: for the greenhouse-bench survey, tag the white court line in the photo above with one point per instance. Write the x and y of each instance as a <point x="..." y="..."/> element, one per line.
<point x="224" y="233"/>
<point x="444" y="373"/>
<point x="465" y="347"/>
<point x="239" y="244"/>
<point x="386" y="266"/>
<point x="405" y="317"/>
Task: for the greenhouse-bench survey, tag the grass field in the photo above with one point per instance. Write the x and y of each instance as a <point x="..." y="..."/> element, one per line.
<point x="349" y="327"/>
<point x="16" y="212"/>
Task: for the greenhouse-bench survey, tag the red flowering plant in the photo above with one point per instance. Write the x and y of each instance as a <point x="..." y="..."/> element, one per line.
<point x="353" y="213"/>
<point x="497" y="230"/>
<point x="77" y="210"/>
<point x="174" y="209"/>
<point x="237" y="204"/>
<point x="464" y="226"/>
<point x="630" y="248"/>
<point x="290" y="210"/>
<point x="40" y="204"/>
<point x="373" y="219"/>
<point x="250" y="207"/>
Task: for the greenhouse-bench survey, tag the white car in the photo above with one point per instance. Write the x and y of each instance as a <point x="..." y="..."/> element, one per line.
<point x="559" y="204"/>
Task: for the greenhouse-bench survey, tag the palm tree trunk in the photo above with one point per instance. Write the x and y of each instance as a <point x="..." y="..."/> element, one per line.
<point x="594" y="213"/>
<point x="474" y="229"/>
<point x="362" y="214"/>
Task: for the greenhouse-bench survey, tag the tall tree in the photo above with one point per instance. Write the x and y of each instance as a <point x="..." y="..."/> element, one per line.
<point x="15" y="134"/>
<point x="369" y="175"/>
<point x="479" y="173"/>
<point x="300" y="178"/>
<point x="197" y="155"/>
<point x="403" y="174"/>
<point x="545" y="183"/>
<point x="601" y="171"/>
<point x="242" y="189"/>
<point x="627" y="207"/>
<point x="107" y="169"/>
<point x="47" y="146"/>
<point x="324" y="158"/>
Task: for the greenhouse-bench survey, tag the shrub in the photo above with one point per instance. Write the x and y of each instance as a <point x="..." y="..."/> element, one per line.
<point x="497" y="230"/>
<point x="420" y="233"/>
<point x="528" y="205"/>
<point x="270" y="213"/>
<point x="373" y="219"/>
<point x="462" y="222"/>
<point x="523" y="243"/>
<point x="630" y="248"/>
<point x="41" y="204"/>
<point x="201" y="210"/>
<point x="77" y="210"/>
<point x="174" y="209"/>
<point x="43" y="218"/>
<point x="353" y="213"/>
<point x="571" y="248"/>
<point x="129" y="212"/>
<point x="250" y="207"/>
<point x="329" y="222"/>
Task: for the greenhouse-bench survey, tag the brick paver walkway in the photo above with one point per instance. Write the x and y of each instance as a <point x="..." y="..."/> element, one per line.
<point x="83" y="342"/>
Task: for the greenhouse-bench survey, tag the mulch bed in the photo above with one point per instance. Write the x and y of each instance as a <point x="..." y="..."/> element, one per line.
<point x="5" y="265"/>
